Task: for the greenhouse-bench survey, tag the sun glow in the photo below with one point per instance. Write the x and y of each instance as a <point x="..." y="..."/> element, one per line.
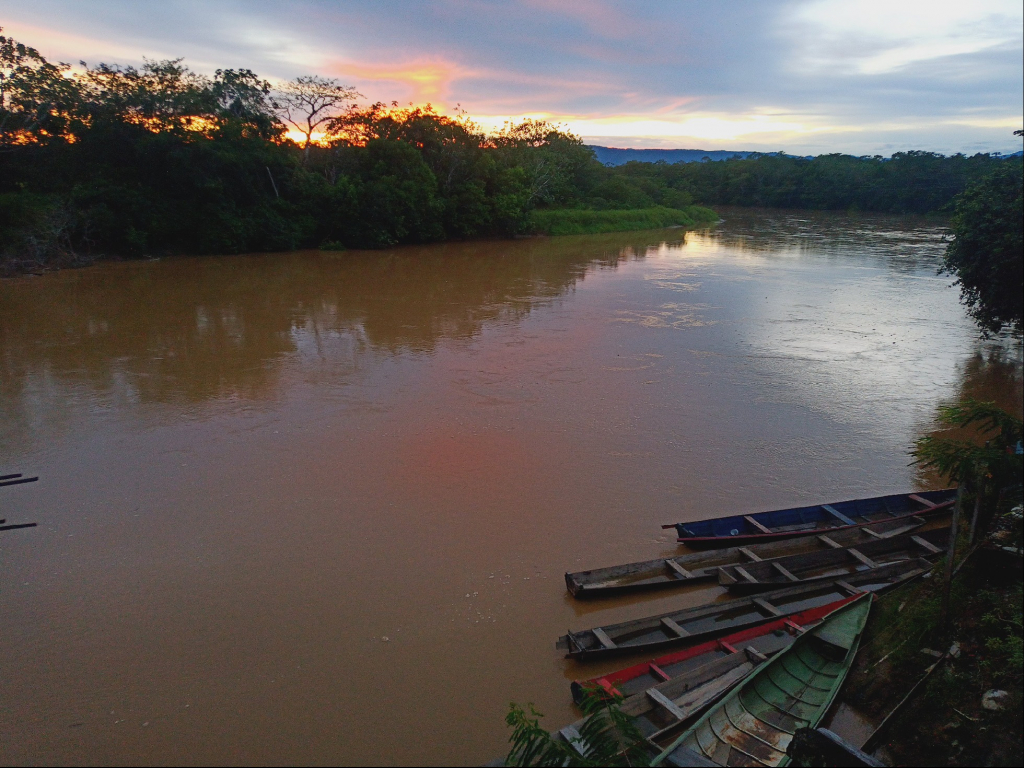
<point x="708" y="127"/>
<point x="426" y="81"/>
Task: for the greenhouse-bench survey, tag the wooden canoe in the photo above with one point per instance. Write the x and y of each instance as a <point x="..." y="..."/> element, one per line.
<point x="691" y="625"/>
<point x="661" y="710"/>
<point x="801" y="521"/>
<point x="753" y="724"/>
<point x="703" y="566"/>
<point x="831" y="563"/>
<point x="766" y="639"/>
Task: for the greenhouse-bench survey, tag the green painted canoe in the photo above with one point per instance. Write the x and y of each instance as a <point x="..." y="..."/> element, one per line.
<point x="755" y="722"/>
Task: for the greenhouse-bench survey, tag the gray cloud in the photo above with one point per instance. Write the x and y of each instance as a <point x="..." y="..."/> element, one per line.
<point x="862" y="87"/>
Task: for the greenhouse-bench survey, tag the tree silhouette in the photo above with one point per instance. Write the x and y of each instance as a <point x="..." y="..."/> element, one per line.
<point x="311" y="101"/>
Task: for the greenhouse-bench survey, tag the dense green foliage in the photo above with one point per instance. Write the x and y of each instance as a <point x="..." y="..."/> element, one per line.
<point x="987" y="251"/>
<point x="909" y="182"/>
<point x="986" y="464"/>
<point x="945" y="722"/>
<point x="992" y="455"/>
<point x="579" y="221"/>
<point x="608" y="736"/>
<point x="159" y="159"/>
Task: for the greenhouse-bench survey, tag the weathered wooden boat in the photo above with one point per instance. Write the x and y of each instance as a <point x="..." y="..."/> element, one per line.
<point x="703" y="566"/>
<point x="834" y="562"/>
<point x="754" y="722"/>
<point x="766" y="639"/>
<point x="800" y="521"/>
<point x="690" y="625"/>
<point x="660" y="711"/>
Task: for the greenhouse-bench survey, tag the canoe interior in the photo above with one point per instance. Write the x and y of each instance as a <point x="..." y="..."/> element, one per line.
<point x="804" y="519"/>
<point x="832" y="563"/>
<point x="662" y="710"/>
<point x="766" y="639"/>
<point x="657" y="574"/>
<point x="706" y="622"/>
<point x="755" y="722"/>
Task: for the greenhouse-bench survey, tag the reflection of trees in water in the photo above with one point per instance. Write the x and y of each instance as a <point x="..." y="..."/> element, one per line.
<point x="904" y="242"/>
<point x="190" y="330"/>
<point x="994" y="374"/>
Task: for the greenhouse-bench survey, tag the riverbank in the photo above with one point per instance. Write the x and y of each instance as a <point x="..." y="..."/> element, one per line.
<point x="587" y="221"/>
<point x="554" y="221"/>
<point x="967" y="709"/>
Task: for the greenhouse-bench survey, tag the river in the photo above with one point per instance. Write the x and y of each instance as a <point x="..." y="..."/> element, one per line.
<point x="316" y="507"/>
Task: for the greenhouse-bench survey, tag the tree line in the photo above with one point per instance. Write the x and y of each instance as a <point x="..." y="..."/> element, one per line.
<point x="135" y="161"/>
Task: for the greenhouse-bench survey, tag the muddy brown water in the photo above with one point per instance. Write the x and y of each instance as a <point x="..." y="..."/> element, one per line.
<point x="316" y="507"/>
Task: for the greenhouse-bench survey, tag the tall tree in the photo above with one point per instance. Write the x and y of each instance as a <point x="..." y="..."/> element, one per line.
<point x="244" y="97"/>
<point x="38" y="100"/>
<point x="310" y="101"/>
<point x="987" y="252"/>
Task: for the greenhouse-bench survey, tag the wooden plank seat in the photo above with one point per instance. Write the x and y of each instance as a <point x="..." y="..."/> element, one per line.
<point x="674" y="628"/>
<point x="745" y="574"/>
<point x="666" y="703"/>
<point x="756" y="524"/>
<point x="682" y="572"/>
<point x="606" y="641"/>
<point x="837" y="514"/>
<point x="862" y="557"/>
<point x="786" y="573"/>
<point x="926" y="545"/>
<point x="765" y="605"/>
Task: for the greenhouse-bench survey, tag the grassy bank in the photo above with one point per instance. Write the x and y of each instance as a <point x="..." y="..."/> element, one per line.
<point x="583" y="221"/>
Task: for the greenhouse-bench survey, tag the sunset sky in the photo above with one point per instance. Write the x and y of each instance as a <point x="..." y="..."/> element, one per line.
<point x="804" y="76"/>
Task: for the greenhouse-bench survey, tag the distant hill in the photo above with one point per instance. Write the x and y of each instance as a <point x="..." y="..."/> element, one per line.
<point x="616" y="156"/>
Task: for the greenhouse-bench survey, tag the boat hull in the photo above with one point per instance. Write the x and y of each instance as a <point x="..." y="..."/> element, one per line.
<point x="740" y="530"/>
<point x="754" y="723"/>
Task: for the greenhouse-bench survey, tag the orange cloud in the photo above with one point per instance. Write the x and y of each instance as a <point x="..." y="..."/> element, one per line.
<point x="426" y="81"/>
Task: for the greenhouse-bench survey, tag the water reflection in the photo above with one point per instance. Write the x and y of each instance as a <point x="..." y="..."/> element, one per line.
<point x="904" y="243"/>
<point x="993" y="373"/>
<point x="192" y="330"/>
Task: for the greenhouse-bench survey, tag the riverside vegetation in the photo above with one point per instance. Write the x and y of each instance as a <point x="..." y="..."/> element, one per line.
<point x="141" y="161"/>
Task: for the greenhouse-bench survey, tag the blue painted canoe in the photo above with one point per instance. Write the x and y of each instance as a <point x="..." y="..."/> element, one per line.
<point x="803" y="521"/>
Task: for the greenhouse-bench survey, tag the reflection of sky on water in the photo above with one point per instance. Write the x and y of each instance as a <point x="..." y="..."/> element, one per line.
<point x="851" y="321"/>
